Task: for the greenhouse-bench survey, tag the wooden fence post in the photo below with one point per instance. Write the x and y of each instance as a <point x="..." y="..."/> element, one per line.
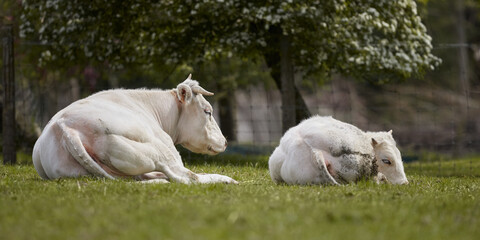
<point x="8" y="127"/>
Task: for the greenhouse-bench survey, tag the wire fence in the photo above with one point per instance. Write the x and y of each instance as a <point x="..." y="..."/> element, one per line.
<point x="428" y="118"/>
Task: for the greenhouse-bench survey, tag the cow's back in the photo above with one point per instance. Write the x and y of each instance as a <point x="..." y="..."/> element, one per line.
<point x="333" y="136"/>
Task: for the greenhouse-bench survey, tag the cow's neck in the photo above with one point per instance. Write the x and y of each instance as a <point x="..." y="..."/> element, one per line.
<point x="167" y="112"/>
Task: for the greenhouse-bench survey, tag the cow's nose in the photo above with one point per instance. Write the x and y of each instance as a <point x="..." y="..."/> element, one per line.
<point x="406" y="182"/>
<point x="226" y="143"/>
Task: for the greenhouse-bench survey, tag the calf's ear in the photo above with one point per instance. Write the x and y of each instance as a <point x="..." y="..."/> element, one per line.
<point x="184" y="93"/>
<point x="376" y="142"/>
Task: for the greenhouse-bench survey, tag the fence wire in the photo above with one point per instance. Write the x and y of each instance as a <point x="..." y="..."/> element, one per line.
<point x="429" y="119"/>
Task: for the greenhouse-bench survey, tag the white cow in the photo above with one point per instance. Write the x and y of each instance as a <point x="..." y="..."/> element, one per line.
<point x="119" y="133"/>
<point x="323" y="150"/>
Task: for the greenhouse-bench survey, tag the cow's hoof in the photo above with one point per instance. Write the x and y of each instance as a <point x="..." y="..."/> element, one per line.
<point x="232" y="181"/>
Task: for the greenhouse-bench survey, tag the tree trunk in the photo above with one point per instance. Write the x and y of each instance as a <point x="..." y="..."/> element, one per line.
<point x="226" y="103"/>
<point x="9" y="154"/>
<point x="273" y="60"/>
<point x="226" y="116"/>
<point x="288" y="85"/>
<point x="302" y="111"/>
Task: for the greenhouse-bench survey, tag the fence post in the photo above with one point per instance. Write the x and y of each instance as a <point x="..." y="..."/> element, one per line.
<point x="8" y="127"/>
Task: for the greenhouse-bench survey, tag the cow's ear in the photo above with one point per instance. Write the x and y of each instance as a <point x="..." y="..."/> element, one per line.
<point x="184" y="93"/>
<point x="374" y="142"/>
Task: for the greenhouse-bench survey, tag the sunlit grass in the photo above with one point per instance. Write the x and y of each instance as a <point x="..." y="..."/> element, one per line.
<point x="432" y="206"/>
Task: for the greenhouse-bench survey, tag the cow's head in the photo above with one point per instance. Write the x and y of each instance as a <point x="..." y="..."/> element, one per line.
<point x="389" y="159"/>
<point x="198" y="131"/>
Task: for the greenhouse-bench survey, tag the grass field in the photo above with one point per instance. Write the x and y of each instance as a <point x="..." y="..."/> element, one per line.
<point x="442" y="201"/>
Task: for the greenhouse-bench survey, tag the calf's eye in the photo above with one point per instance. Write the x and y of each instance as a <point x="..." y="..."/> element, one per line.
<point x="386" y="161"/>
<point x="208" y="112"/>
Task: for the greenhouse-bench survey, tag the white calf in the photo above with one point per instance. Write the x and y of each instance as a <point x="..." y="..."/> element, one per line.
<point x="120" y="133"/>
<point x="322" y="150"/>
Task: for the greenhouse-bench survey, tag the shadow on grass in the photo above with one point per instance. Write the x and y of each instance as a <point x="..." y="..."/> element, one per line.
<point x="257" y="161"/>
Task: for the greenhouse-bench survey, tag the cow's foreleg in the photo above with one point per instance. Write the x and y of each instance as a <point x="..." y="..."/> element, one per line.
<point x="159" y="177"/>
<point x="170" y="163"/>
<point x="155" y="181"/>
<point x="380" y="178"/>
<point x="154" y="160"/>
<point x="175" y="171"/>
<point x="215" y="178"/>
<point x="151" y="175"/>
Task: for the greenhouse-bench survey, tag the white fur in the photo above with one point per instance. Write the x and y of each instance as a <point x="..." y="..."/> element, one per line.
<point x="323" y="150"/>
<point x="119" y="133"/>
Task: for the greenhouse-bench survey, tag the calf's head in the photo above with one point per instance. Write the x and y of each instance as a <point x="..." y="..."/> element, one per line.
<point x="198" y="130"/>
<point x="388" y="157"/>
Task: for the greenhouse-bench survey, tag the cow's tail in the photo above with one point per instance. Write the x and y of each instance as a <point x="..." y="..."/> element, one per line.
<point x="320" y="163"/>
<point x="73" y="144"/>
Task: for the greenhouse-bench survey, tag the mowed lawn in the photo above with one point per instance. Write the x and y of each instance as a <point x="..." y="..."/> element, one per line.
<point x="442" y="201"/>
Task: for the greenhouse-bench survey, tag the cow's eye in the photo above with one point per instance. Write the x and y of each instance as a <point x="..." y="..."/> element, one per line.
<point x="386" y="161"/>
<point x="208" y="112"/>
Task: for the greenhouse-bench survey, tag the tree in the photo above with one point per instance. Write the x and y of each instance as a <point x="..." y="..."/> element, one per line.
<point x="374" y="40"/>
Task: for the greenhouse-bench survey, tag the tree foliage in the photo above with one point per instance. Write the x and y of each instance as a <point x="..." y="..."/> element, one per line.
<point x="363" y="38"/>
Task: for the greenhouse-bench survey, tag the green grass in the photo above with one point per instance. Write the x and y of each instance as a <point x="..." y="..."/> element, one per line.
<point x="437" y="204"/>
